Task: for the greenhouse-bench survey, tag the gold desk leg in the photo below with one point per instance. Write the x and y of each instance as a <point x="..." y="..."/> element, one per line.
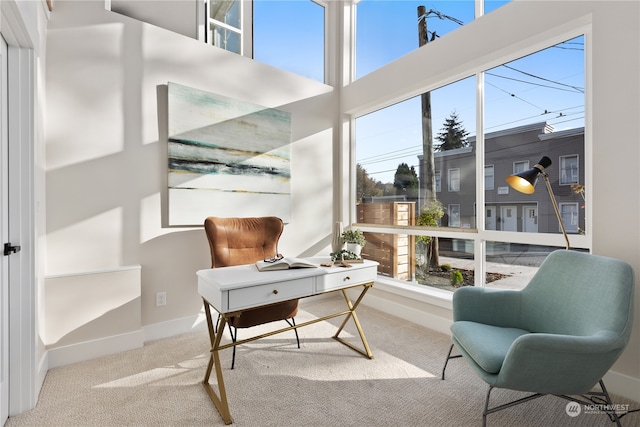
<point x="352" y="314"/>
<point x="221" y="403"/>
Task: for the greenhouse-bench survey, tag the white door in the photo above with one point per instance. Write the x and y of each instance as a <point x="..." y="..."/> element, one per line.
<point x="490" y="218"/>
<point x="508" y="218"/>
<point x="4" y="233"/>
<point x="530" y="223"/>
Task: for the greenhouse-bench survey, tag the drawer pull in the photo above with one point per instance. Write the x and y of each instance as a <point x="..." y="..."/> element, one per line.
<point x="275" y="292"/>
<point x="346" y="278"/>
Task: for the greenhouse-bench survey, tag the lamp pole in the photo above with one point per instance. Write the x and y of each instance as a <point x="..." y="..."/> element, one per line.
<point x="555" y="207"/>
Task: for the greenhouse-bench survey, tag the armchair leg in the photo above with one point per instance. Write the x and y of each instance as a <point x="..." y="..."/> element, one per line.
<point x="234" y="337"/>
<point x="217" y="323"/>
<point x="488" y="410"/>
<point x="292" y="323"/>
<point x="486" y="406"/>
<point x="603" y="395"/>
<point x="449" y="356"/>
<point x="612" y="415"/>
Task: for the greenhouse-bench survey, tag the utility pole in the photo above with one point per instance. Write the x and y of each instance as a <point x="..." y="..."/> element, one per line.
<point x="427" y="171"/>
<point x="427" y="178"/>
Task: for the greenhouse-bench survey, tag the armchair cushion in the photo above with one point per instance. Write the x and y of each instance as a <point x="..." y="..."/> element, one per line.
<point x="488" y="345"/>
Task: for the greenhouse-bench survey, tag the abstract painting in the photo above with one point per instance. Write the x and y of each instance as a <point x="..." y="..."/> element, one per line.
<point x="226" y="158"/>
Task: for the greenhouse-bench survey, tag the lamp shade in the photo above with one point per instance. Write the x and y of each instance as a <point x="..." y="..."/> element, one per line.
<point x="525" y="182"/>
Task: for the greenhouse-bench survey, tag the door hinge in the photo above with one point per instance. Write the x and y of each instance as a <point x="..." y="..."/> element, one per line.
<point x="10" y="249"/>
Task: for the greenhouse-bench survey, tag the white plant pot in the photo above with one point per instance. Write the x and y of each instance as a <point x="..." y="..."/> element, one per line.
<point x="355" y="248"/>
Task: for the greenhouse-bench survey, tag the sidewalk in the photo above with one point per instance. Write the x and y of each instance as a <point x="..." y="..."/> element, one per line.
<point x="519" y="275"/>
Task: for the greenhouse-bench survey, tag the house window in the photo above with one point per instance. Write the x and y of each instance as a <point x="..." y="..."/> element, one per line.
<point x="454" y="215"/>
<point x="488" y="177"/>
<point x="454" y="179"/>
<point x="438" y="181"/>
<point x="569" y="170"/>
<point x="520" y="166"/>
<point x="569" y="214"/>
<point x="224" y="28"/>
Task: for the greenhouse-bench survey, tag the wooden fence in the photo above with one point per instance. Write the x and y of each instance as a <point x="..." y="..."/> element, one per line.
<point x="394" y="252"/>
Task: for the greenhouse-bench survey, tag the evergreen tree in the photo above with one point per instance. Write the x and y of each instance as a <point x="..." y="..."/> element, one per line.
<point x="406" y="181"/>
<point x="452" y="135"/>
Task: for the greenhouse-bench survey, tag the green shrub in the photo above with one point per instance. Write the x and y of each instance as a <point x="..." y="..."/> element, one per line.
<point x="429" y="216"/>
<point x="456" y="278"/>
<point x="445" y="267"/>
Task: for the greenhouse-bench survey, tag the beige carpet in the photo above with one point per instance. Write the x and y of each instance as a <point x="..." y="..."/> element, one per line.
<point x="275" y="384"/>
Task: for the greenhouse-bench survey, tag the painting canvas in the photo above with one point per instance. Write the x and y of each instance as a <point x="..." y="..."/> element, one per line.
<point x="226" y="158"/>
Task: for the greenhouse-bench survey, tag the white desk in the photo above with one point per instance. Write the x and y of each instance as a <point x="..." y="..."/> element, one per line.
<point x="232" y="290"/>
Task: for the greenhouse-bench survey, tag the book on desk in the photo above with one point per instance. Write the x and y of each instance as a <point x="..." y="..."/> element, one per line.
<point x="284" y="264"/>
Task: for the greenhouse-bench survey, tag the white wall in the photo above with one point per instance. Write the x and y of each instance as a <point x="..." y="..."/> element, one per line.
<point x="179" y="16"/>
<point x="106" y="150"/>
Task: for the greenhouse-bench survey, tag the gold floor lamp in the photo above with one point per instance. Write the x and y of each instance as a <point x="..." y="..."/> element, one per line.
<point x="525" y="182"/>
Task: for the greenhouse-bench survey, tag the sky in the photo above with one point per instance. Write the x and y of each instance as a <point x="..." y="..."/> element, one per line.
<point x="545" y="86"/>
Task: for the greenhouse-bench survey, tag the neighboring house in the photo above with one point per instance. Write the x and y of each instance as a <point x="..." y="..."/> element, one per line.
<point x="507" y="152"/>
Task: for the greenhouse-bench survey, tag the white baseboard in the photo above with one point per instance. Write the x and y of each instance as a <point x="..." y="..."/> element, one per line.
<point x="407" y="313"/>
<point x="622" y="385"/>
<point x="41" y="373"/>
<point x="74" y="353"/>
<point x="174" y="327"/>
<point x="187" y="324"/>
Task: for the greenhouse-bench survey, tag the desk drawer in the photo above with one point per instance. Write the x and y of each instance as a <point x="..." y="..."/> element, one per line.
<point x="345" y="278"/>
<point x="255" y="296"/>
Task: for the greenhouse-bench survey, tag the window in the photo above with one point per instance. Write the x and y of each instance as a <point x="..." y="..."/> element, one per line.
<point x="488" y="177"/>
<point x="454" y="179"/>
<point x="490" y="5"/>
<point x="290" y="35"/>
<point x="225" y="25"/>
<point x="569" y="169"/>
<point x="388" y="29"/>
<point x="569" y="215"/>
<point x="520" y="167"/>
<point x="523" y="102"/>
<point x="454" y="215"/>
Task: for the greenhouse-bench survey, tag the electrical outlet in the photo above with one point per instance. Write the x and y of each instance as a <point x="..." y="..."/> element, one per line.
<point x="161" y="299"/>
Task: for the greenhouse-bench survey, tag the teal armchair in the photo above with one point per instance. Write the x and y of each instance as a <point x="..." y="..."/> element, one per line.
<point x="559" y="335"/>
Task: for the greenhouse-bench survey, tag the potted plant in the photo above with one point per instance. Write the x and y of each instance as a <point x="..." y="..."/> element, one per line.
<point x="354" y="238"/>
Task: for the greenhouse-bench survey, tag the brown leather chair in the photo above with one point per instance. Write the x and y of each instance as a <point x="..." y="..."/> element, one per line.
<point x="237" y="241"/>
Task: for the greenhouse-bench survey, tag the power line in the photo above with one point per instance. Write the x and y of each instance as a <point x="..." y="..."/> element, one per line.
<point x="417" y="149"/>
<point x="513" y="95"/>
<point x="578" y="89"/>
<point x="392" y="155"/>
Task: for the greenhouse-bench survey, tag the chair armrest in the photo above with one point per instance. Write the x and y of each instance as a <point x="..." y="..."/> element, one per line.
<point x="599" y="343"/>
<point x="559" y="364"/>
<point x="496" y="307"/>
